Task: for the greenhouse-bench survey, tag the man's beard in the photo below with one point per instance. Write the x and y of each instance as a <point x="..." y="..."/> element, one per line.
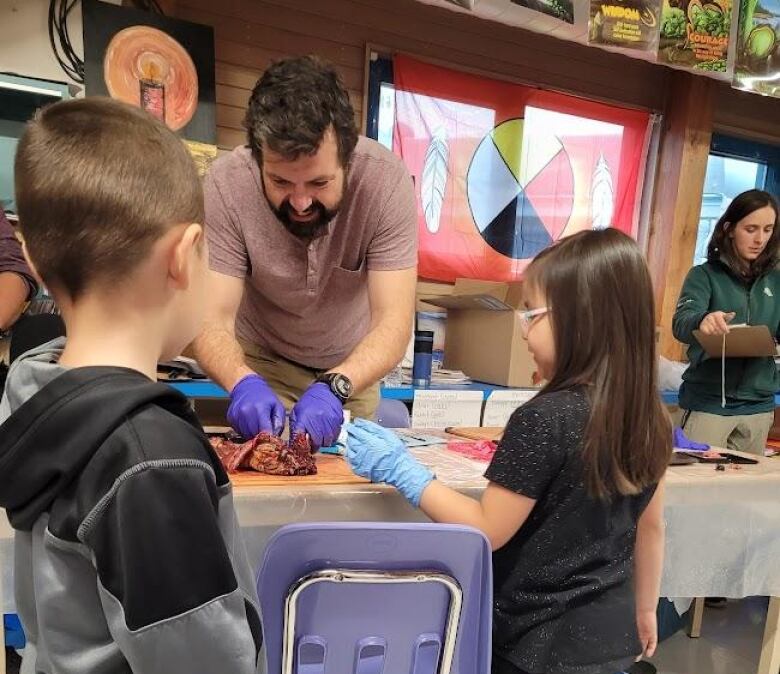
<point x="310" y="229"/>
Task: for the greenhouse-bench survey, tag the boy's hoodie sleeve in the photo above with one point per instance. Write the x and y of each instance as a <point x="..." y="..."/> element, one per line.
<point x="692" y="306"/>
<point x="165" y="577"/>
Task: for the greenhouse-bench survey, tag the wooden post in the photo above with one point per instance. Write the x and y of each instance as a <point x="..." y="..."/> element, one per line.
<point x="682" y="165"/>
<point x="697" y="617"/>
<point x="770" y="648"/>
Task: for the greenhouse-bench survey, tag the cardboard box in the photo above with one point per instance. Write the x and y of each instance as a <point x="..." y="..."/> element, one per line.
<point x="484" y="337"/>
<point x="431" y="290"/>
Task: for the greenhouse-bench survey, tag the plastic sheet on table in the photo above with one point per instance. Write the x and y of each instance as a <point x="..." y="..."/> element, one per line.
<point x="452" y="469"/>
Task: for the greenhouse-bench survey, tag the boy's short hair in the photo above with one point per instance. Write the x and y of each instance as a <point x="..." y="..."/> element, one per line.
<point x="98" y="182"/>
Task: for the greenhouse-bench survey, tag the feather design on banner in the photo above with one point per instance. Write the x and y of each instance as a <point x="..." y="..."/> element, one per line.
<point x="602" y="195"/>
<point x="434" y="179"/>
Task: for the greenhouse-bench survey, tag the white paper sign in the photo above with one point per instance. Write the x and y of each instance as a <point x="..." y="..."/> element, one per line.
<point x="501" y="404"/>
<point x="442" y="409"/>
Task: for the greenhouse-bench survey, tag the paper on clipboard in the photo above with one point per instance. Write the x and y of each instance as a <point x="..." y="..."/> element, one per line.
<point x="501" y="404"/>
<point x="742" y="341"/>
<point x="439" y="409"/>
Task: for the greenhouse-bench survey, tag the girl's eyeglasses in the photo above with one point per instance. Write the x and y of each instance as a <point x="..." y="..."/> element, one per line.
<point x="527" y="317"/>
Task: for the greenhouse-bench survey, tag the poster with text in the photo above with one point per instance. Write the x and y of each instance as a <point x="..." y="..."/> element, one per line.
<point x="631" y="24"/>
<point x="695" y="34"/>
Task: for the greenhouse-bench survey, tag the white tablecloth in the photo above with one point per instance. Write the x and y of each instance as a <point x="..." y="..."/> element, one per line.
<point x="723" y="531"/>
<point x="723" y="528"/>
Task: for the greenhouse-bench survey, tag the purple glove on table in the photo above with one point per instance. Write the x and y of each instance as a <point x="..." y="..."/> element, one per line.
<point x="318" y="413"/>
<point x="254" y="408"/>
<point x="381" y="456"/>
<point x="681" y="442"/>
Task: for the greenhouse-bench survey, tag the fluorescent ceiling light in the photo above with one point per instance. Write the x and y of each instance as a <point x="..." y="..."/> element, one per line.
<point x="30" y="89"/>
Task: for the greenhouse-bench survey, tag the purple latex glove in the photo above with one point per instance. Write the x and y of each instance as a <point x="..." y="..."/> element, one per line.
<point x="318" y="413"/>
<point x="254" y="408"/>
<point x="681" y="442"/>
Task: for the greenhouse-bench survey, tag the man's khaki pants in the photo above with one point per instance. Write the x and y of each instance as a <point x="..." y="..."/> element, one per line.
<point x="289" y="381"/>
<point x="746" y="433"/>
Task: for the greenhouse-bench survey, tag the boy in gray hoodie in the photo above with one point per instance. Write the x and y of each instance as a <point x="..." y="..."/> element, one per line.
<point x="128" y="555"/>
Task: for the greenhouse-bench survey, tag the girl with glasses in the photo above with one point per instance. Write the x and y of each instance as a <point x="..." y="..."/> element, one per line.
<point x="574" y="504"/>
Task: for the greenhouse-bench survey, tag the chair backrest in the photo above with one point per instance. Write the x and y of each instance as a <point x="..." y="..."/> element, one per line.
<point x="376" y="598"/>
<point x="393" y="414"/>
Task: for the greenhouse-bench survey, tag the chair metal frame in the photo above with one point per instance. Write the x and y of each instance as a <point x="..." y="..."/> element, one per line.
<point x="354" y="576"/>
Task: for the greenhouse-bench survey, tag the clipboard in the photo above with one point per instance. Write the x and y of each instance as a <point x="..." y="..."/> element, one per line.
<point x="743" y="341"/>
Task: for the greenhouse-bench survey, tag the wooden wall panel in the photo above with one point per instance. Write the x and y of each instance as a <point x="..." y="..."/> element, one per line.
<point x="230" y="138"/>
<point x="250" y="34"/>
<point x="744" y="114"/>
<point x="682" y="164"/>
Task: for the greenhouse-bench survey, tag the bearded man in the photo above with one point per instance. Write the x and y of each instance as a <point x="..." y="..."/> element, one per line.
<point x="312" y="234"/>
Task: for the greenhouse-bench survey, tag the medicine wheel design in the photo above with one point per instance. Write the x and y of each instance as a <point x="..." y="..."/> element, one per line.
<point x="521" y="195"/>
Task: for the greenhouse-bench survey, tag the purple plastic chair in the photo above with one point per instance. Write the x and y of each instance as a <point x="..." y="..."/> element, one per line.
<point x="392" y="414"/>
<point x="376" y="598"/>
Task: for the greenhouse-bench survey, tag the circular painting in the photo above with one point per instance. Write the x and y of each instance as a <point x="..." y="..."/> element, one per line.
<point x="147" y="67"/>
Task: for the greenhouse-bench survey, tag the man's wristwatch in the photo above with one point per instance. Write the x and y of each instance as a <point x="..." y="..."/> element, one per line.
<point x="339" y="384"/>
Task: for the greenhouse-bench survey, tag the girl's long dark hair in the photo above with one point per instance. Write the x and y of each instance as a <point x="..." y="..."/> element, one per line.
<point x="721" y="246"/>
<point x="598" y="289"/>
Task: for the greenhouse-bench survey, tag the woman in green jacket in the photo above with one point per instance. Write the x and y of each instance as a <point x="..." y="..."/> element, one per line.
<point x="739" y="283"/>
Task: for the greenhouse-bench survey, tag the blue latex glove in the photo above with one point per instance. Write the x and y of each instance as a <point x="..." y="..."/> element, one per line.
<point x="381" y="456"/>
<point x="318" y="413"/>
<point x="254" y="408"/>
<point x="681" y="442"/>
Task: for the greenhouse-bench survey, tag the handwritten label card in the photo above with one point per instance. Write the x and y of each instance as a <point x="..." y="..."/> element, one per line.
<point x="501" y="404"/>
<point x="441" y="409"/>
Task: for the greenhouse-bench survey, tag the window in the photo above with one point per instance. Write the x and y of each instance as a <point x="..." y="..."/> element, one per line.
<point x="20" y="97"/>
<point x="386" y="115"/>
<point x="733" y="167"/>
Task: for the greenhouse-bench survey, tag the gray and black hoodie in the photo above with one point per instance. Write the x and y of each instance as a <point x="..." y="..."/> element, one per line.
<point x="128" y="555"/>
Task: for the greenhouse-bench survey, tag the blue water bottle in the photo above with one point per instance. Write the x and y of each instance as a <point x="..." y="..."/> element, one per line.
<point x="423" y="357"/>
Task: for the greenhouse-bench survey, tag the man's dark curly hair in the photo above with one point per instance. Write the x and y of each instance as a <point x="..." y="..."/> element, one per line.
<point x="293" y="104"/>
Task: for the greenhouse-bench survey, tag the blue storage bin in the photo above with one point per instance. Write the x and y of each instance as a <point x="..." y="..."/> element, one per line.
<point x="14" y="634"/>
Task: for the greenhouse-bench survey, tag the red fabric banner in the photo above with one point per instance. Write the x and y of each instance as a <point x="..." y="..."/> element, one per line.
<point x="502" y="170"/>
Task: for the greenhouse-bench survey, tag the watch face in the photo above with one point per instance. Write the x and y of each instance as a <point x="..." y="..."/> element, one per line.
<point x="342" y="385"/>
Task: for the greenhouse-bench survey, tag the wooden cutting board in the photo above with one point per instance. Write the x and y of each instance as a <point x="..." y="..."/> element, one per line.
<point x="331" y="469"/>
<point x="493" y="433"/>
